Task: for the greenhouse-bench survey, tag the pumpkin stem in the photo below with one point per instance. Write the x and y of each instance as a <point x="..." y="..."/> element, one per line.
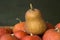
<point x="31" y="7"/>
<point x="31" y="34"/>
<point x="18" y="19"/>
<point x="57" y="29"/>
<point x="12" y="34"/>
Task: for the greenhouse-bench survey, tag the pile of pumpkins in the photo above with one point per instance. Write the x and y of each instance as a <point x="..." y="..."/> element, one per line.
<point x="33" y="28"/>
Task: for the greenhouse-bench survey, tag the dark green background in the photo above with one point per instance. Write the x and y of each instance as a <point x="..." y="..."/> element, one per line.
<point x="11" y="9"/>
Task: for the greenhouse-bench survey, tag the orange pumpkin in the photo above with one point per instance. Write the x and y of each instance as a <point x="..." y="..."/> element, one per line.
<point x="8" y="37"/>
<point x="51" y="34"/>
<point x="9" y="29"/>
<point x="19" y="26"/>
<point x="3" y="31"/>
<point x="20" y="34"/>
<point x="34" y="37"/>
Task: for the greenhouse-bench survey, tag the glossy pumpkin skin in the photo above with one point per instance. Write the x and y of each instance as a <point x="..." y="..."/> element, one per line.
<point x="20" y="34"/>
<point x="51" y="34"/>
<point x="8" y="37"/>
<point x="19" y="26"/>
<point x="35" y="37"/>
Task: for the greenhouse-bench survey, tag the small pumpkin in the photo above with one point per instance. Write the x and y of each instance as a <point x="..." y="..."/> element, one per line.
<point x="51" y="34"/>
<point x="31" y="37"/>
<point x="19" y="26"/>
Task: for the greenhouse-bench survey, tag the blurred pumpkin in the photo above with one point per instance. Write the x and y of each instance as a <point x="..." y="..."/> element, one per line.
<point x="51" y="34"/>
<point x="19" y="26"/>
<point x="8" y="37"/>
<point x="20" y="34"/>
<point x="31" y="37"/>
<point x="3" y="31"/>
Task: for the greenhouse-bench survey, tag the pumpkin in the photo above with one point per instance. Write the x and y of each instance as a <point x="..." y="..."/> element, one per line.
<point x="51" y="34"/>
<point x="31" y="37"/>
<point x="19" y="26"/>
<point x="20" y="34"/>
